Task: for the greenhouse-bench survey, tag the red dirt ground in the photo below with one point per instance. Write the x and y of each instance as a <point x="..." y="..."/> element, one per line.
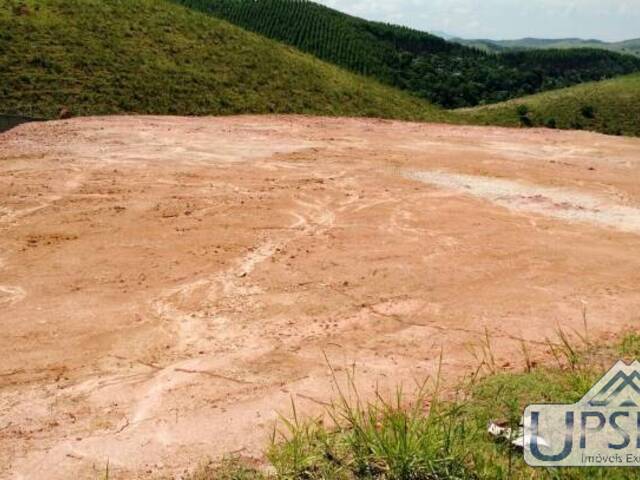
<point x="168" y="284"/>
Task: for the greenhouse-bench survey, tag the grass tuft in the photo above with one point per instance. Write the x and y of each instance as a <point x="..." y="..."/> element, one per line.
<point x="421" y="436"/>
<point x="630" y="347"/>
<point x="228" y="469"/>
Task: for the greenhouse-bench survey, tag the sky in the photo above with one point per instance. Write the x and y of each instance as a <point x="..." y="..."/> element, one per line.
<point x="609" y="20"/>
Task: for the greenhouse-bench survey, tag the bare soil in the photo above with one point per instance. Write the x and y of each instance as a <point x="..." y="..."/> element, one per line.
<point x="167" y="285"/>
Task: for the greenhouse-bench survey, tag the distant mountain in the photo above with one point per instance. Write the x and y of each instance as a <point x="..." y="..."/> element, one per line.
<point x="631" y="47"/>
<point x="442" y="34"/>
<point x="428" y="66"/>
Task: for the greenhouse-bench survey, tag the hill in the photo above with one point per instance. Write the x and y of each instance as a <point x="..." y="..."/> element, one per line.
<point x="443" y="72"/>
<point x="630" y="47"/>
<point x="611" y="106"/>
<point x="89" y="57"/>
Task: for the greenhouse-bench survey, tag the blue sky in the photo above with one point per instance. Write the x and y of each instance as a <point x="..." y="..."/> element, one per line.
<point x="609" y="20"/>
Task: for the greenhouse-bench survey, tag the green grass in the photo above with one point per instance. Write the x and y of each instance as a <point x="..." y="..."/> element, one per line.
<point x="445" y="73"/>
<point x="401" y="439"/>
<point x="629" y="348"/>
<point x="611" y="107"/>
<point x="93" y="57"/>
<point x="90" y="57"/>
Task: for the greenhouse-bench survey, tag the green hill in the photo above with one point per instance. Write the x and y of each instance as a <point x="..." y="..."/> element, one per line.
<point x="443" y="72"/>
<point x="630" y="47"/>
<point x="611" y="106"/>
<point x="93" y="57"/>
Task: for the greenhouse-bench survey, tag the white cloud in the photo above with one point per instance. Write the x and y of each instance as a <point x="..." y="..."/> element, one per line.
<point x="608" y="20"/>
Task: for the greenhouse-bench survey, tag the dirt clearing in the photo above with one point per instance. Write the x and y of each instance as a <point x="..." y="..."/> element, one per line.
<point x="168" y="284"/>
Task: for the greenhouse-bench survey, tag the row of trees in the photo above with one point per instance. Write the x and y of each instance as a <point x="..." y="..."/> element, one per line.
<point x="446" y="73"/>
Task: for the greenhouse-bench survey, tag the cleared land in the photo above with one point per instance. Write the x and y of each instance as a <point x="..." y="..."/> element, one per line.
<point x="168" y="284"/>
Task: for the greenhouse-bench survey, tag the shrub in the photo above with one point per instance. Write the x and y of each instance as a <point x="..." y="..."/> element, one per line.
<point x="588" y="111"/>
<point x="523" y="114"/>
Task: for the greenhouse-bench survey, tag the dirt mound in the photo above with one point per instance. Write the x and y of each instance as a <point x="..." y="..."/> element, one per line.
<point x="168" y="284"/>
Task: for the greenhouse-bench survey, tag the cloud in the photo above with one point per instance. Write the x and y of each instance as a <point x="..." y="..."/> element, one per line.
<point x="608" y="20"/>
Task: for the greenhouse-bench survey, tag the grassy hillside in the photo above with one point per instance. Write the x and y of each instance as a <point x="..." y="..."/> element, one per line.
<point x="611" y="106"/>
<point x="445" y="73"/>
<point x="630" y="47"/>
<point x="92" y="57"/>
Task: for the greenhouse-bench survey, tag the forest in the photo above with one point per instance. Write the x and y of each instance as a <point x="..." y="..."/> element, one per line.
<point x="442" y="72"/>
